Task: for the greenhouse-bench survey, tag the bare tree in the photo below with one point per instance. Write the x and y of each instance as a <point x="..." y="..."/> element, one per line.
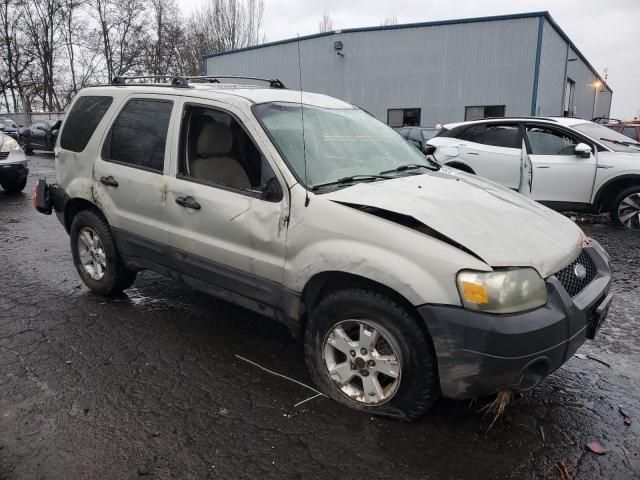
<point x="325" y="24"/>
<point x="42" y="21"/>
<point x="221" y="25"/>
<point x="167" y="36"/>
<point x="120" y="35"/>
<point x="390" y="21"/>
<point x="14" y="60"/>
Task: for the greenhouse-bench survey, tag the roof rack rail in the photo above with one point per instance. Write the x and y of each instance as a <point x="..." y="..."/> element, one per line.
<point x="183" y="82"/>
<point x="273" y="82"/>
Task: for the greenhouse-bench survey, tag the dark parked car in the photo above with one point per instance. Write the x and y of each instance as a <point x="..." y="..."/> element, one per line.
<point x="39" y="136"/>
<point x="418" y="136"/>
<point x="9" y="127"/>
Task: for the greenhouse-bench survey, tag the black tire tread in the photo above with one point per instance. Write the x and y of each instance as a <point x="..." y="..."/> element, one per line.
<point x="11" y="187"/>
<point x="615" y="220"/>
<point x="118" y="276"/>
<point x="430" y="391"/>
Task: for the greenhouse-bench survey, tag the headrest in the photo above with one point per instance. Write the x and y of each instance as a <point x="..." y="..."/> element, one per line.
<point x="215" y="139"/>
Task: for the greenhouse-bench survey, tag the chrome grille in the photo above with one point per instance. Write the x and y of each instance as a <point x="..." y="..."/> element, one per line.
<point x="570" y="281"/>
<point x="3" y="155"/>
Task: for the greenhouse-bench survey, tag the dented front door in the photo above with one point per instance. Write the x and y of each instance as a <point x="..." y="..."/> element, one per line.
<point x="225" y="236"/>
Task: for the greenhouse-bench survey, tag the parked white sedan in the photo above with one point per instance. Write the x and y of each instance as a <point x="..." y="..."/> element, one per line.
<point x="565" y="163"/>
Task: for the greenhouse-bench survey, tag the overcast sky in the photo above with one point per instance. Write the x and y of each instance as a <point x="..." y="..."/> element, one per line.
<point x="605" y="31"/>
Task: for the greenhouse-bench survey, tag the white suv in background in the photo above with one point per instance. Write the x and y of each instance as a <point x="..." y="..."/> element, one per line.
<point x="406" y="280"/>
<point x="564" y="163"/>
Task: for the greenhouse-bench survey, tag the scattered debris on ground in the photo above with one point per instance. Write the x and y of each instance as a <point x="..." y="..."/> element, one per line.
<point x="498" y="406"/>
<point x="595" y="447"/>
<point x="563" y="468"/>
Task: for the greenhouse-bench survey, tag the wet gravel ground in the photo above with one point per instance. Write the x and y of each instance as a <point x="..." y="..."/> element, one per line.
<point x="149" y="385"/>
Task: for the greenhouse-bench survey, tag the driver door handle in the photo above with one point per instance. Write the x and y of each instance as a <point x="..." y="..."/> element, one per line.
<point x="188" y="202"/>
<point x="109" y="181"/>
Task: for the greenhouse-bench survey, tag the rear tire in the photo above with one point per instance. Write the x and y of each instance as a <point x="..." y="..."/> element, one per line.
<point x="625" y="208"/>
<point x="14" y="187"/>
<point x="399" y="337"/>
<point x="96" y="256"/>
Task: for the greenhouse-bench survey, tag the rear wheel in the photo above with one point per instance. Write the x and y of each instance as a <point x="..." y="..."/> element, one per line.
<point x="14" y="187"/>
<point x="366" y="351"/>
<point x="96" y="256"/>
<point x="625" y="211"/>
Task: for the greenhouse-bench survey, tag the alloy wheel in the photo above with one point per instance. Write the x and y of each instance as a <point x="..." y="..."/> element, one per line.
<point x="629" y="211"/>
<point x="362" y="361"/>
<point x="91" y="253"/>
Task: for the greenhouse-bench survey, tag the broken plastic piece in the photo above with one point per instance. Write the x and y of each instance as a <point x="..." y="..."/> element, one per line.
<point x="596" y="448"/>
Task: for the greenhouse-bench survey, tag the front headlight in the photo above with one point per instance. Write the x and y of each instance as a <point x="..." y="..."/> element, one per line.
<point x="9" y="145"/>
<point x="502" y="291"/>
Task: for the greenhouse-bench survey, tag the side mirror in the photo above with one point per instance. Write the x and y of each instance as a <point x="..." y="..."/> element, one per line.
<point x="428" y="149"/>
<point x="272" y="192"/>
<point x="583" y="150"/>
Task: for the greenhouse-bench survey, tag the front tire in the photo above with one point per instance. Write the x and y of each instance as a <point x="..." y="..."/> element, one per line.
<point x="365" y="350"/>
<point x="625" y="211"/>
<point x="14" y="187"/>
<point x="96" y="256"/>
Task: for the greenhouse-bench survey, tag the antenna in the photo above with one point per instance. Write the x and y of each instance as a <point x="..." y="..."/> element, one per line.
<point x="304" y="144"/>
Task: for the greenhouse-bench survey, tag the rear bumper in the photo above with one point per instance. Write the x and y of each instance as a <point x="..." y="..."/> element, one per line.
<point x="480" y="354"/>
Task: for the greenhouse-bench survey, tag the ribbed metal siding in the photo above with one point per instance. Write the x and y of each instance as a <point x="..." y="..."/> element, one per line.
<point x="580" y="73"/>
<point x="440" y="69"/>
<point x="551" y="81"/>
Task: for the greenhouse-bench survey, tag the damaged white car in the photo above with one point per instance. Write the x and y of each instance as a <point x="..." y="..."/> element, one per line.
<point x="406" y="280"/>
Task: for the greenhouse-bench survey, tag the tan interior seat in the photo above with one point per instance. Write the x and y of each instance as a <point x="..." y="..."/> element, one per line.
<point x="213" y="163"/>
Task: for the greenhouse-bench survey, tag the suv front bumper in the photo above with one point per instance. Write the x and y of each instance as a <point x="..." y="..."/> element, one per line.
<point x="480" y="353"/>
<point x="13" y="171"/>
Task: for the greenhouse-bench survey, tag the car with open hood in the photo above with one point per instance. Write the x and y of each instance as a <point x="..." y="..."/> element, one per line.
<point x="568" y="164"/>
<point x="406" y="280"/>
<point x="41" y="135"/>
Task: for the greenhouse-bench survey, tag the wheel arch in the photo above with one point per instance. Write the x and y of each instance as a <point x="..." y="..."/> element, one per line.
<point x="324" y="283"/>
<point x="77" y="205"/>
<point x="608" y="191"/>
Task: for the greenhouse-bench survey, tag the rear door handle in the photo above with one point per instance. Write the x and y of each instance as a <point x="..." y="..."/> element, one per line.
<point x="188" y="202"/>
<point x="109" y="181"/>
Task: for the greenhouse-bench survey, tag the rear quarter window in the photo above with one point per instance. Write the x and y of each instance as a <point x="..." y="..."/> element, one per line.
<point x="82" y="121"/>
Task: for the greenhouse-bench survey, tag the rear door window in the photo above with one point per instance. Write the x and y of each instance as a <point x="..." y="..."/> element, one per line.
<point x="138" y="137"/>
<point x="506" y="136"/>
<point x="82" y="121"/>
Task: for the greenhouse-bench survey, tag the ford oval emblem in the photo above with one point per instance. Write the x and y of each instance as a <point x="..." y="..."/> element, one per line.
<point x="579" y="271"/>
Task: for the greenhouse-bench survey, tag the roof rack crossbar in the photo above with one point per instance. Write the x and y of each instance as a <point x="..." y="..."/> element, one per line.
<point x="183" y="82"/>
<point x="176" y="80"/>
<point x="273" y="82"/>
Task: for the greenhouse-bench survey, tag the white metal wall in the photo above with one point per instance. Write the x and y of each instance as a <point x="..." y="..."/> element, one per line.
<point x="586" y="92"/>
<point x="551" y="79"/>
<point x="440" y="69"/>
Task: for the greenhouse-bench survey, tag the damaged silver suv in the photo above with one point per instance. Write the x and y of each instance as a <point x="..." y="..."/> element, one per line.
<point x="406" y="280"/>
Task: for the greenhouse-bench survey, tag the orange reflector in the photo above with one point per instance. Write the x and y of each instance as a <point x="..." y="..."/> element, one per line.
<point x="475" y="292"/>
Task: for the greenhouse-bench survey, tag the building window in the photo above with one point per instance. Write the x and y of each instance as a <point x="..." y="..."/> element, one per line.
<point x="403" y="117"/>
<point x="489" y="111"/>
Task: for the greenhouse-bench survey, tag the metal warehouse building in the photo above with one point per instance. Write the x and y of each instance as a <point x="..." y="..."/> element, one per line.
<point x="436" y="72"/>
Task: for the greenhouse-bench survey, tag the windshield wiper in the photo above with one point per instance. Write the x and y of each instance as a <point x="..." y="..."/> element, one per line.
<point x="352" y="179"/>
<point x="618" y="142"/>
<point x="411" y="166"/>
